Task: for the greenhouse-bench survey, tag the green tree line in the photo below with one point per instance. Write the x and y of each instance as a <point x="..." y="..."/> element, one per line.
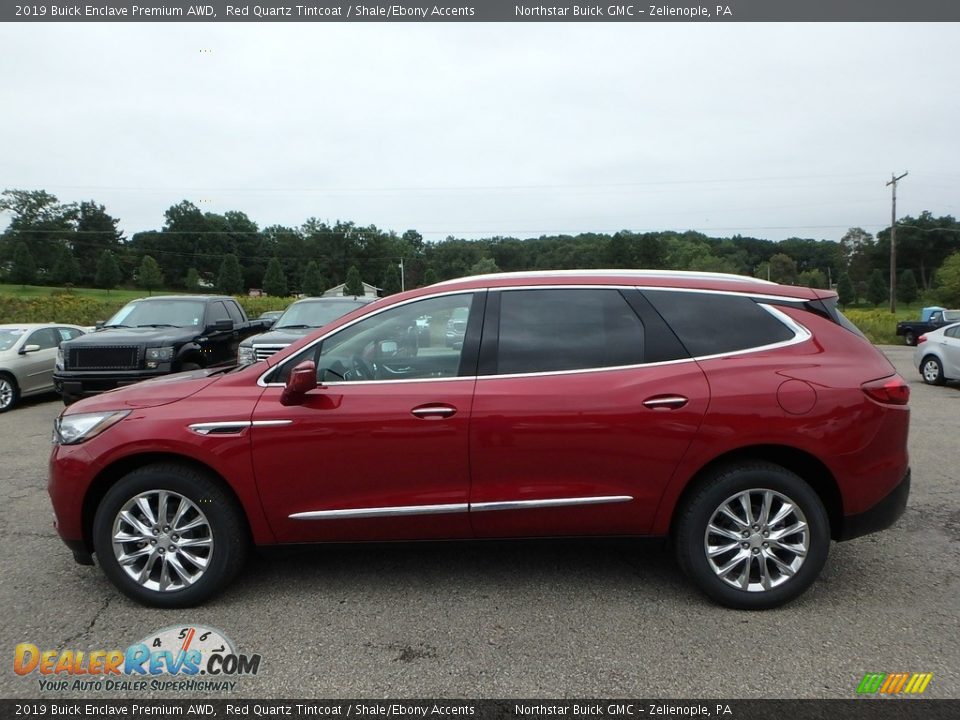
<point x="52" y="243"/>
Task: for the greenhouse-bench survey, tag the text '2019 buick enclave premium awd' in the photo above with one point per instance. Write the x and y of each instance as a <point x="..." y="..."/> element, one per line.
<point x="749" y="422"/>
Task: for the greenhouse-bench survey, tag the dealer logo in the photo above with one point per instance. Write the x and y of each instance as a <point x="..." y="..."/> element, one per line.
<point x="183" y="652"/>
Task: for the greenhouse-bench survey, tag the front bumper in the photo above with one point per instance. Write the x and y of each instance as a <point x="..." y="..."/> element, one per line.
<point x="881" y="516"/>
<point x="81" y="384"/>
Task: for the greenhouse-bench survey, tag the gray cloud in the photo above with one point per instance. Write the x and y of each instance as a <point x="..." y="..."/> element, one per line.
<point x="483" y="129"/>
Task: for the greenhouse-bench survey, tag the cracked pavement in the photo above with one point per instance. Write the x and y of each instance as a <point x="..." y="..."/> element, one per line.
<point x="538" y="619"/>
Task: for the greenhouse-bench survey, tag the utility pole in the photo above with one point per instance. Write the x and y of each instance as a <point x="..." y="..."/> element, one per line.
<point x="893" y="240"/>
<point x="403" y="285"/>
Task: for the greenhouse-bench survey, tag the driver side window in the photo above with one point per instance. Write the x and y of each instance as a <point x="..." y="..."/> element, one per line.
<point x="418" y="340"/>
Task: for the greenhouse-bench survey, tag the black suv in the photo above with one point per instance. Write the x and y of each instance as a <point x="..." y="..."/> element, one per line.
<point x="151" y="337"/>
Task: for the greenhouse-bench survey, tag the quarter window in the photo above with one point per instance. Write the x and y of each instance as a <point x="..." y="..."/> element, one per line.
<point x="552" y="330"/>
<point x="712" y="324"/>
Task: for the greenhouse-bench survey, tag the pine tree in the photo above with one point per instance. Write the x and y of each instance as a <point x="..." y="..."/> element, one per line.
<point x="192" y="281"/>
<point x="274" y="279"/>
<point x="391" y="280"/>
<point x="845" y="290"/>
<point x="65" y="269"/>
<point x="230" y="277"/>
<point x="24" y="270"/>
<point x="313" y="282"/>
<point x="108" y="272"/>
<point x="353" y="285"/>
<point x="877" y="290"/>
<point x="907" y="287"/>
<point x="149" y="276"/>
<point x="430" y="276"/>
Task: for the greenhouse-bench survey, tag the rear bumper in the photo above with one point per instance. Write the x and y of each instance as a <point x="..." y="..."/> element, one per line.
<point x="881" y="516"/>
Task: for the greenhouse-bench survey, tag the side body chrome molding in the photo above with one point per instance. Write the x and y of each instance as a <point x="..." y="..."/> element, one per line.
<point x="401" y="510"/>
<point x="232" y="427"/>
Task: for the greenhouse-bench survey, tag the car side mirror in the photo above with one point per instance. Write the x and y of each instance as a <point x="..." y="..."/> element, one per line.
<point x="29" y="349"/>
<point x="222" y="326"/>
<point x="99" y="325"/>
<point x="302" y="379"/>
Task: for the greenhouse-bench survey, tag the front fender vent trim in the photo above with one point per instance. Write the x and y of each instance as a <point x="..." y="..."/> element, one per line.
<point x="233" y="427"/>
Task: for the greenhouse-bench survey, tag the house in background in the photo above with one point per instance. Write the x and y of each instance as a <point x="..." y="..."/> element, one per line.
<point x="369" y="290"/>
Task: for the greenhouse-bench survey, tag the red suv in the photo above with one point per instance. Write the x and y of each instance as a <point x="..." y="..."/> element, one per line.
<point x="748" y="422"/>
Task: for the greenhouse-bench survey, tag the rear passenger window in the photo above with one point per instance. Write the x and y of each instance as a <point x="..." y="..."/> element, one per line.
<point x="234" y="313"/>
<point x="711" y="324"/>
<point x="553" y="330"/>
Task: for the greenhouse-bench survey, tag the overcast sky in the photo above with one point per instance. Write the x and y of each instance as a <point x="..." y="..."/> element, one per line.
<point x="490" y="129"/>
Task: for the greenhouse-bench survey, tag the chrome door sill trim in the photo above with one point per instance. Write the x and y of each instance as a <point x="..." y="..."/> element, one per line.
<point x="402" y="510"/>
<point x="548" y="503"/>
<point x="398" y="511"/>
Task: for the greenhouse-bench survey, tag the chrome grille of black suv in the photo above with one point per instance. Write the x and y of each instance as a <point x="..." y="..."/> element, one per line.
<point x="104" y="357"/>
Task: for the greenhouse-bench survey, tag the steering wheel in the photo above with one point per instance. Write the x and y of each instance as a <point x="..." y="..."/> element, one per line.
<point x="363" y="370"/>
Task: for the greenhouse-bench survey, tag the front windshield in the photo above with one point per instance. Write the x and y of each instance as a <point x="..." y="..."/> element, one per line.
<point x="315" y="314"/>
<point x="178" y="313"/>
<point x="9" y="337"/>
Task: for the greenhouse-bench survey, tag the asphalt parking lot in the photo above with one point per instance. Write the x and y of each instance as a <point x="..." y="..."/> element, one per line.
<point x="540" y="619"/>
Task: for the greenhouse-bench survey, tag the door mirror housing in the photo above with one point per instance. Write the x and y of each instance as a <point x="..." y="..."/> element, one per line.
<point x="99" y="325"/>
<point x="222" y="326"/>
<point x="29" y="349"/>
<point x="302" y="379"/>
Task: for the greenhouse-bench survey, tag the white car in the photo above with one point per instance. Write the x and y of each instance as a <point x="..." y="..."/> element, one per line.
<point x="938" y="355"/>
<point x="28" y="354"/>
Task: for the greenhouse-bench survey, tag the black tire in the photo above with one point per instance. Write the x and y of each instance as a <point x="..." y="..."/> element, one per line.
<point x="68" y="399"/>
<point x="932" y="378"/>
<point x="713" y="491"/>
<point x="9" y="392"/>
<point x="224" y="516"/>
<point x="189" y="367"/>
<point x="910" y="338"/>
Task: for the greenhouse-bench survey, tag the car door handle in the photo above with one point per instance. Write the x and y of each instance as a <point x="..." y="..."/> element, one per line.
<point x="434" y="411"/>
<point x="666" y="402"/>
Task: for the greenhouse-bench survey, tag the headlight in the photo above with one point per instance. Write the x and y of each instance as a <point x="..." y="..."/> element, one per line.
<point x="246" y="355"/>
<point x="78" y="428"/>
<point x="160" y="354"/>
<point x="59" y="361"/>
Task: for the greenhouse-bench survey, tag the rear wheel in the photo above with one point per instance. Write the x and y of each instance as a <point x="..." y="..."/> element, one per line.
<point x="169" y="536"/>
<point x="910" y="338"/>
<point x="9" y="393"/>
<point x="932" y="371"/>
<point x="753" y="537"/>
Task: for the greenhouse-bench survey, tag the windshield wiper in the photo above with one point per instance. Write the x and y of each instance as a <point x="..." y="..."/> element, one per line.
<point x="113" y="326"/>
<point x="157" y="325"/>
<point x="293" y="327"/>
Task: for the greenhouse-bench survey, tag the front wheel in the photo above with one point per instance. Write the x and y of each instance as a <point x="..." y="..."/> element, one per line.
<point x="169" y="536"/>
<point x="753" y="537"/>
<point x="932" y="371"/>
<point x="9" y="393"/>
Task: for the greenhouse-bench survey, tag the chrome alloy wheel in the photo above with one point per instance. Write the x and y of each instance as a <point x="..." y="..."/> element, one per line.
<point x="6" y="393"/>
<point x="162" y="540"/>
<point x="756" y="540"/>
<point x="931" y="373"/>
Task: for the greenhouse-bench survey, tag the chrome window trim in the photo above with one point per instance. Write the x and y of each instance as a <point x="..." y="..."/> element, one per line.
<point x="801" y="334"/>
<point x="406" y="510"/>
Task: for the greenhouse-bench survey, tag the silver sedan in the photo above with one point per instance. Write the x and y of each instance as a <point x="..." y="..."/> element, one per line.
<point x="28" y="354"/>
<point x="938" y="355"/>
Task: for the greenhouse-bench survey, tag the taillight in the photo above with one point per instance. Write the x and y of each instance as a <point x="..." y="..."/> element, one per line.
<point x="921" y="339"/>
<point x="889" y="391"/>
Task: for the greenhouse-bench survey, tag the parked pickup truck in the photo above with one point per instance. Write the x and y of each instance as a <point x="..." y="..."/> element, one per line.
<point x="912" y="329"/>
<point x="150" y="337"/>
